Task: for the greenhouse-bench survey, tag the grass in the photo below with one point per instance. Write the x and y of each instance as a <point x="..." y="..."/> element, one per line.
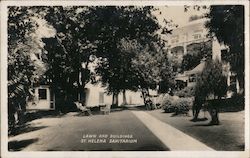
<point x="228" y="136"/>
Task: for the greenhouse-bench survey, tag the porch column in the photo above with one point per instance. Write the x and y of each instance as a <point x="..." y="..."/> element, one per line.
<point x="184" y="48"/>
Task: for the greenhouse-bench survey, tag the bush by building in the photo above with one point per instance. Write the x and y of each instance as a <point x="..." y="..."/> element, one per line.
<point x="176" y="105"/>
<point x="186" y="92"/>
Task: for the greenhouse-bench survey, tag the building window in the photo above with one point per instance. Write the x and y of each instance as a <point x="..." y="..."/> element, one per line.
<point x="42" y="93"/>
<point x="101" y="97"/>
<point x="198" y="31"/>
<point x="192" y="78"/>
<point x="197" y="36"/>
<point x="175" y="39"/>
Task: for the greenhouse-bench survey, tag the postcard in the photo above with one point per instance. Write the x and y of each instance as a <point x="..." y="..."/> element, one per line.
<point x="124" y="79"/>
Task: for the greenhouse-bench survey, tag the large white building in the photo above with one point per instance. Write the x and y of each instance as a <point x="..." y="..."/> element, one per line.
<point x="182" y="39"/>
<point x="193" y="33"/>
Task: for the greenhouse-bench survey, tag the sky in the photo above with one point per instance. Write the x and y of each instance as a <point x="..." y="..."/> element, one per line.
<point x="174" y="13"/>
<point x="177" y="14"/>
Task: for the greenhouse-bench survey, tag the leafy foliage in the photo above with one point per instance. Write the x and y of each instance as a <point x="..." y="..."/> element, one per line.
<point x="227" y="24"/>
<point x="24" y="47"/>
<point x="120" y="40"/>
<point x="211" y="81"/>
<point x="127" y="43"/>
<point x="196" y="52"/>
<point x="70" y="53"/>
<point x="186" y="92"/>
<point x="176" y="105"/>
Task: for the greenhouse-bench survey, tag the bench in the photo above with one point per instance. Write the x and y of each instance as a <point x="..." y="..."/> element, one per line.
<point x="84" y="109"/>
<point x="105" y="109"/>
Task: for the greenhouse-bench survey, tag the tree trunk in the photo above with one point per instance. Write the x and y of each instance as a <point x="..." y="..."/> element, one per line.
<point x="147" y="101"/>
<point x="196" y="111"/>
<point x="21" y="110"/>
<point x="213" y="111"/>
<point x="57" y="99"/>
<point x="241" y="83"/>
<point x="197" y="107"/>
<point x="214" y="115"/>
<point x="115" y="99"/>
<point x="145" y="95"/>
<point x="124" y="97"/>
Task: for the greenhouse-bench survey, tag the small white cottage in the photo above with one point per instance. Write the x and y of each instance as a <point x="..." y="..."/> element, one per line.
<point x="43" y="99"/>
<point x="95" y="95"/>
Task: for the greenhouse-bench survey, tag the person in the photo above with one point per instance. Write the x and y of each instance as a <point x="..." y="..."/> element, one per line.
<point x="149" y="104"/>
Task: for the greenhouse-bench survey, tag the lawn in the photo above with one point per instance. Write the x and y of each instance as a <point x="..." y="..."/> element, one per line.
<point x="228" y="136"/>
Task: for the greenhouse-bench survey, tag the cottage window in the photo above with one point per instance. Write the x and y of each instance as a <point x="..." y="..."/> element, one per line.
<point x="42" y="93"/>
<point x="101" y="97"/>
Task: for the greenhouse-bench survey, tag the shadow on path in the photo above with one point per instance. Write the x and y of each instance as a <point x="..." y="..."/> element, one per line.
<point x="19" y="145"/>
<point x="25" y="129"/>
<point x="199" y="119"/>
<point x="206" y="125"/>
<point x="33" y="115"/>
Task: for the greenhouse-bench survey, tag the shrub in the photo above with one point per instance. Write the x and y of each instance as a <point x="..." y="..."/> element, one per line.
<point x="160" y="99"/>
<point x="186" y="92"/>
<point x="211" y="82"/>
<point x="176" y="105"/>
<point x="168" y="104"/>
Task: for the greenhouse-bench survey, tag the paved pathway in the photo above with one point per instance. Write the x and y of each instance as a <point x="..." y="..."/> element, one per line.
<point x="65" y="134"/>
<point x="170" y="136"/>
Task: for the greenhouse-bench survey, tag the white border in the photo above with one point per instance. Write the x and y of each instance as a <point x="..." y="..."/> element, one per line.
<point x="193" y="154"/>
<point x="120" y="2"/>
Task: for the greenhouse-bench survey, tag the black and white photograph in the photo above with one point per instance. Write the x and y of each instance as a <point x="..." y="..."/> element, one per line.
<point x="124" y="78"/>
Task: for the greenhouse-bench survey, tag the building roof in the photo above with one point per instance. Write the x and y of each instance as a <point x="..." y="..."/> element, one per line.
<point x="197" y="69"/>
<point x="181" y="77"/>
<point x="186" y="33"/>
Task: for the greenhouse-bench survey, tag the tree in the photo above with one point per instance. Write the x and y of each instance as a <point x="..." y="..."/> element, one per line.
<point x="211" y="83"/>
<point x="70" y="52"/>
<point x="190" y="61"/>
<point x="151" y="68"/>
<point x="89" y="34"/>
<point x="118" y="74"/>
<point x="121" y="25"/>
<point x="24" y="67"/>
<point x="227" y="24"/>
